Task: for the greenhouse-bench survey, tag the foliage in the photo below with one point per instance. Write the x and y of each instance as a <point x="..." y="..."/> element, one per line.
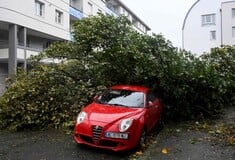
<point x="222" y="61"/>
<point x="203" y="84"/>
<point x="105" y="51"/>
<point x="44" y="97"/>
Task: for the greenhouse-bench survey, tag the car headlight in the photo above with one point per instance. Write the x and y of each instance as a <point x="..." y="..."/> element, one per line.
<point x="81" y="117"/>
<point x="125" y="124"/>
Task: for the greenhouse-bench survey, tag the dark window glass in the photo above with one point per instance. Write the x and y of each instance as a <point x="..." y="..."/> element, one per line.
<point x="151" y="96"/>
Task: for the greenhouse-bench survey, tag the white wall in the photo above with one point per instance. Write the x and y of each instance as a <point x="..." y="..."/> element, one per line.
<point x="96" y="6"/>
<point x="228" y="22"/>
<point x="196" y="38"/>
<point x="22" y="12"/>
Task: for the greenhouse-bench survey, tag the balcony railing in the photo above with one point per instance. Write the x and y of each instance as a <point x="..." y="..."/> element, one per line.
<point x="111" y="12"/>
<point x="76" y="13"/>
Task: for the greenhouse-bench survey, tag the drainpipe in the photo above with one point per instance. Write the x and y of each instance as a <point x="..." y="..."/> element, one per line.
<point x="221" y="26"/>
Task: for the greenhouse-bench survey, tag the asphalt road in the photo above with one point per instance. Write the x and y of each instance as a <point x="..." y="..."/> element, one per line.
<point x="174" y="142"/>
<point x="49" y="145"/>
<point x="195" y="140"/>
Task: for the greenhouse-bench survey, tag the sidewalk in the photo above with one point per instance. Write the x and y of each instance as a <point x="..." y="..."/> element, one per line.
<point x="197" y="141"/>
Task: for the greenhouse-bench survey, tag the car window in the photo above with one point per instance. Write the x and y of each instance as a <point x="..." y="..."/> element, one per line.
<point x="122" y="98"/>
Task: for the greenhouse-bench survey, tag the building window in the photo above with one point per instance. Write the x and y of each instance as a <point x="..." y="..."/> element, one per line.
<point x="213" y="35"/>
<point x="100" y="11"/>
<point x="90" y="8"/>
<point x="233" y="32"/>
<point x="208" y="19"/>
<point x="233" y="12"/>
<point x="39" y="8"/>
<point x="58" y="16"/>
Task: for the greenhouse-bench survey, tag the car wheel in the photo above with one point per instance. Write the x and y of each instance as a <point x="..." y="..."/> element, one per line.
<point x="142" y="141"/>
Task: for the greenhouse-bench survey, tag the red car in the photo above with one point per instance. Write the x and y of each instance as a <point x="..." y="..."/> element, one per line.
<point x="119" y="118"/>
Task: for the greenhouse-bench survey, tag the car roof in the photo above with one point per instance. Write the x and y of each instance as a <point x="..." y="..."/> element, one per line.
<point x="131" y="88"/>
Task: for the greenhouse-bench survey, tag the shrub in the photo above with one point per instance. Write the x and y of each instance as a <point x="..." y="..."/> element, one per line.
<point x="45" y="97"/>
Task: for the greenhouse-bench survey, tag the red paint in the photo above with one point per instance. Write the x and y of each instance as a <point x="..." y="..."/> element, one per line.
<point x="107" y="118"/>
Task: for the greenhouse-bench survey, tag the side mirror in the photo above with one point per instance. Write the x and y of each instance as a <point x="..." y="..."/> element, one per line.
<point x="95" y="97"/>
<point x="150" y="104"/>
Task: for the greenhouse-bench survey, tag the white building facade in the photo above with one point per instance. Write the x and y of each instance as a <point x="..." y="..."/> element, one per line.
<point x="28" y="27"/>
<point x="209" y="24"/>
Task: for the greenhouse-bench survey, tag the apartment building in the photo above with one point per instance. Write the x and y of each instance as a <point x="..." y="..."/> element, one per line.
<point x="28" y="27"/>
<point x="209" y="24"/>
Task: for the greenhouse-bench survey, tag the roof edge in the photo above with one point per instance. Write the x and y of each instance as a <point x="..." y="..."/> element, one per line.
<point x="188" y="13"/>
<point x="129" y="10"/>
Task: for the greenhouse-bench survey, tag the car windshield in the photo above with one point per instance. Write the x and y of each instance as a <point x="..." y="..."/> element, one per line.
<point x="124" y="98"/>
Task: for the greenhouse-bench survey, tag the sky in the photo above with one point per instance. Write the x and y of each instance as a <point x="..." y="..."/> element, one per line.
<point x="162" y="16"/>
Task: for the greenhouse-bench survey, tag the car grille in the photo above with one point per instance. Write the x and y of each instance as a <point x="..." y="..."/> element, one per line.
<point x="96" y="130"/>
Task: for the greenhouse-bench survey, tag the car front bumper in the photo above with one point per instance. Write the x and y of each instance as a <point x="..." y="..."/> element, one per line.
<point x="95" y="136"/>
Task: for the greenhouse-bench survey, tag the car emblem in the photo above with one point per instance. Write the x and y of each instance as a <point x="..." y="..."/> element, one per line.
<point x="96" y="127"/>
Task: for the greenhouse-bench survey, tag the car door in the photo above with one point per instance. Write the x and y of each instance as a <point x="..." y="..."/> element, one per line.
<point x="153" y="109"/>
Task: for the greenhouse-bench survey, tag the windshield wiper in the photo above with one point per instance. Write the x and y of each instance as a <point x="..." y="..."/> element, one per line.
<point x="116" y="104"/>
<point x="100" y="102"/>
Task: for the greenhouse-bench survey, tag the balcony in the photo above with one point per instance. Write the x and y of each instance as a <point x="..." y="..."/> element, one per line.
<point x="111" y="12"/>
<point x="75" y="13"/>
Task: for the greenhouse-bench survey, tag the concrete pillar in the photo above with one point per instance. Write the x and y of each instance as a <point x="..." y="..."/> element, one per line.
<point x="12" y="60"/>
<point x="23" y="41"/>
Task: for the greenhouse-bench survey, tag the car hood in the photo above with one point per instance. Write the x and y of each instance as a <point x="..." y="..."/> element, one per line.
<point x="109" y="114"/>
